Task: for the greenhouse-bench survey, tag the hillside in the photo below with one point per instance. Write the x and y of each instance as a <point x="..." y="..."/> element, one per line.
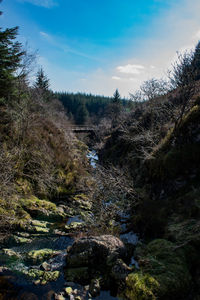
<point x="160" y="150"/>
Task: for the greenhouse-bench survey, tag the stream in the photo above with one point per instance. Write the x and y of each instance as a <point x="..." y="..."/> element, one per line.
<point x="14" y="268"/>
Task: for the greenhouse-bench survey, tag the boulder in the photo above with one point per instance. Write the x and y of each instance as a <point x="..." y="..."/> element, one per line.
<point x="94" y="251"/>
<point x="11" y="253"/>
<point x="120" y="270"/>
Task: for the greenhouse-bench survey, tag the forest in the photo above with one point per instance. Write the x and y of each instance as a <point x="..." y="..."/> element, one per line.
<point x="82" y="108"/>
<point x="112" y="213"/>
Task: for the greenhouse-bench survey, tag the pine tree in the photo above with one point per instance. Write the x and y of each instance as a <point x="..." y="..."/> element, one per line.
<point x="10" y="57"/>
<point x="116" y="97"/>
<point x="82" y="114"/>
<point x="42" y="82"/>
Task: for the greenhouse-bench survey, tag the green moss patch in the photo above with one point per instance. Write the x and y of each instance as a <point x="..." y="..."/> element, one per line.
<point x="38" y="256"/>
<point x="164" y="272"/>
<point x="42" y="277"/>
<point x="43" y="209"/>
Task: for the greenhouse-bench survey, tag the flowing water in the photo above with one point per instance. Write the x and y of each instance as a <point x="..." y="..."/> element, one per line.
<point x="93" y="158"/>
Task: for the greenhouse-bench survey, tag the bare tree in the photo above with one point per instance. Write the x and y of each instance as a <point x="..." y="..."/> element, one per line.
<point x="113" y="194"/>
<point x="183" y="78"/>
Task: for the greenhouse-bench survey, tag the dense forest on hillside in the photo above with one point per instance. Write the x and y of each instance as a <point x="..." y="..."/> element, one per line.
<point x="128" y="223"/>
<point x="84" y="108"/>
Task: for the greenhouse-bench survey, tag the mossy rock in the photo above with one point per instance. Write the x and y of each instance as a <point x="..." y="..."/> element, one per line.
<point x="140" y="286"/>
<point x="38" y="256"/>
<point x="163" y="273"/>
<point x="82" y="201"/>
<point x="11" y="254"/>
<point x="15" y="240"/>
<point x="42" y="277"/>
<point x="74" y="226"/>
<point x="36" y="227"/>
<point x="42" y="209"/>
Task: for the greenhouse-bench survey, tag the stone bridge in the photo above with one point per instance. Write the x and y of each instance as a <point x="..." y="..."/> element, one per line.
<point x="83" y="128"/>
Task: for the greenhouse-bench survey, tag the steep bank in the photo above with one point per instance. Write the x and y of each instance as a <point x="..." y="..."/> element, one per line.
<point x="167" y="213"/>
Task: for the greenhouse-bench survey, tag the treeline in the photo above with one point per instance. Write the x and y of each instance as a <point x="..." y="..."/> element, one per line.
<point x="83" y="108"/>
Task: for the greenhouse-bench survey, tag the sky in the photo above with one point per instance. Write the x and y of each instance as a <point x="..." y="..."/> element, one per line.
<point x="96" y="46"/>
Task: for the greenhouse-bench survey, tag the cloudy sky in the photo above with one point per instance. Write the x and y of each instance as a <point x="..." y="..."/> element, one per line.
<point x="96" y="46"/>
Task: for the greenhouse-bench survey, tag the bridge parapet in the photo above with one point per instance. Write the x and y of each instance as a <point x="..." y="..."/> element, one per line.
<point x="83" y="128"/>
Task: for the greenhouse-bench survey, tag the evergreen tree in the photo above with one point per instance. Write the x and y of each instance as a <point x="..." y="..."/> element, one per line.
<point x="82" y="114"/>
<point x="10" y="57"/>
<point x="116" y="97"/>
<point x="42" y="82"/>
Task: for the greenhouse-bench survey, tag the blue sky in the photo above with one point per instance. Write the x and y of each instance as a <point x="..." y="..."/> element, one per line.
<point x="99" y="45"/>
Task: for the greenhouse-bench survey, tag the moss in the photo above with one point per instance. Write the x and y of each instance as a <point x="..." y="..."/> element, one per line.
<point x="164" y="272"/>
<point x="140" y="286"/>
<point x="38" y="256"/>
<point x="36" y="227"/>
<point x="43" y="209"/>
<point x="42" y="277"/>
<point x="51" y="276"/>
<point x="82" y="201"/>
<point x="24" y="186"/>
<point x="19" y="240"/>
<point x="74" y="226"/>
<point x="34" y="202"/>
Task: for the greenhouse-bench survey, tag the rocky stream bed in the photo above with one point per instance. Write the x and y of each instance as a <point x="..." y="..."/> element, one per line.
<point x="56" y="266"/>
<point x="51" y="259"/>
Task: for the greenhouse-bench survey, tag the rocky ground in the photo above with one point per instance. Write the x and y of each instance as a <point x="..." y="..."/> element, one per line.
<point x="52" y="255"/>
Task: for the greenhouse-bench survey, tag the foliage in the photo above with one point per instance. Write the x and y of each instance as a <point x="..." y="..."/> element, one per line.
<point x="163" y="272"/>
<point x="39" y="155"/>
<point x="95" y="108"/>
<point x="112" y="196"/>
<point x="10" y="57"/>
<point x="42" y="82"/>
<point x="140" y="286"/>
<point x="116" y="97"/>
<point x="151" y="89"/>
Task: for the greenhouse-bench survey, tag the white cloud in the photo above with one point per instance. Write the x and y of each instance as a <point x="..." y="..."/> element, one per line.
<point x="132" y="79"/>
<point x="43" y="3"/>
<point x="131" y="69"/>
<point x="116" y="78"/>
